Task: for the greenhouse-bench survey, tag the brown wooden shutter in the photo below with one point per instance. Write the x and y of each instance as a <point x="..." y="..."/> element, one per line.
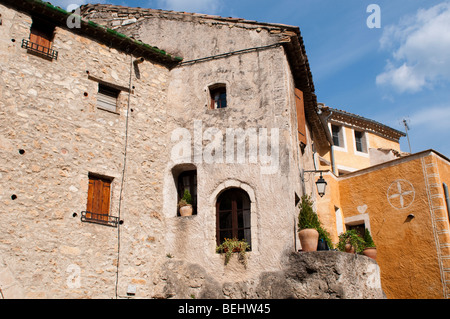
<point x="90" y="202"/>
<point x="301" y="119"/>
<point x="106" y="187"/>
<point x="41" y="36"/>
<point x="99" y="193"/>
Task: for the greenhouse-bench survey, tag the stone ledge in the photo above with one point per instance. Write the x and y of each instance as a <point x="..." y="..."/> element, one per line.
<point x="312" y="275"/>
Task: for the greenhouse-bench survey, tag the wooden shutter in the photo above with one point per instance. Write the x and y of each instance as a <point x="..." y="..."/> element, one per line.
<point x="99" y="193"/>
<point x="90" y="201"/>
<point x="41" y="36"/>
<point x="107" y="98"/>
<point x="301" y="119"/>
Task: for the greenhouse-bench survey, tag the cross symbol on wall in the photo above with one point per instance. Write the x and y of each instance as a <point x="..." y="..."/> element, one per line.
<point x="404" y="191"/>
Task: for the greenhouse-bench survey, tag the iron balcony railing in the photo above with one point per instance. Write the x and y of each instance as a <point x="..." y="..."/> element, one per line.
<point x="34" y="47"/>
<point x="103" y="219"/>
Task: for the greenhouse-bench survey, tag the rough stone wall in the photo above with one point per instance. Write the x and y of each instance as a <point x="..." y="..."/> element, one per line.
<point x="48" y="109"/>
<point x="44" y="111"/>
<point x="316" y="275"/>
<point x="200" y="35"/>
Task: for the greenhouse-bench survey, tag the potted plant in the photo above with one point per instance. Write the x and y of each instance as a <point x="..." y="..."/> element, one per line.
<point x="351" y="242"/>
<point x="230" y="246"/>
<point x="308" y="223"/>
<point x="185" y="204"/>
<point x="325" y="242"/>
<point x="370" y="249"/>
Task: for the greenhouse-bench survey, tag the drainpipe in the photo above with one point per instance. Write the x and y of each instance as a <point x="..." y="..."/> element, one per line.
<point x="447" y="199"/>
<point x="333" y="163"/>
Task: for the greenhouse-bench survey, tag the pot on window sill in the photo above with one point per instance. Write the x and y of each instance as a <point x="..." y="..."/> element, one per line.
<point x="186" y="210"/>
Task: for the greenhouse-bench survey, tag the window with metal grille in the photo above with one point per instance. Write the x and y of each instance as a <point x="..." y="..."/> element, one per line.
<point x="107" y="98"/>
<point x="233" y="216"/>
<point x="40" y="41"/>
<point x="98" y="201"/>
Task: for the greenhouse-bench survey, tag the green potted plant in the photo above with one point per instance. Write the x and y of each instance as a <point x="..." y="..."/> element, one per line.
<point x="230" y="246"/>
<point x="350" y="242"/>
<point x="308" y="223"/>
<point x="370" y="249"/>
<point x="325" y="242"/>
<point x="185" y="204"/>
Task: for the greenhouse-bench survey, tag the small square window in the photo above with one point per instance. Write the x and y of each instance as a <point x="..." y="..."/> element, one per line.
<point x="107" y="98"/>
<point x="218" y="95"/>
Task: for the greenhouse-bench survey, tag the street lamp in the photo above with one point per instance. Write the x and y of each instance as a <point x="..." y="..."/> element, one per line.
<point x="321" y="183"/>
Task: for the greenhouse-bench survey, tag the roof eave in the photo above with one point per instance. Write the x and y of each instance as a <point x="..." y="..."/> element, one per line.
<point x="92" y="30"/>
<point x="298" y="60"/>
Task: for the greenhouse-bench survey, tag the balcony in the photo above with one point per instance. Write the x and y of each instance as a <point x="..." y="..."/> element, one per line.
<point x="102" y="219"/>
<point x="39" y="49"/>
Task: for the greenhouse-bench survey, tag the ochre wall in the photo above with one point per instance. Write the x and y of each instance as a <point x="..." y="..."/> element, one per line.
<point x="407" y="247"/>
<point x="347" y="157"/>
<point x="325" y="206"/>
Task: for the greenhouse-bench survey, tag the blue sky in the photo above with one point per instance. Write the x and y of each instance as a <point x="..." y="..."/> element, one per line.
<point x="398" y="71"/>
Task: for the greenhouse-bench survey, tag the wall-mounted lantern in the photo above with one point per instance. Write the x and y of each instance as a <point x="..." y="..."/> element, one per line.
<point x="321" y="183"/>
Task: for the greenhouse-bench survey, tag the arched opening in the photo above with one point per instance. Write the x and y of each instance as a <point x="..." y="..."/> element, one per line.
<point x="185" y="178"/>
<point x="233" y="211"/>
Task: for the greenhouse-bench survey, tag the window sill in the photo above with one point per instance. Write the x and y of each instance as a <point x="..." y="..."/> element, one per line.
<point x="340" y="148"/>
<point x="39" y="50"/>
<point x="106" y="220"/>
<point x="362" y="154"/>
<point x="109" y="111"/>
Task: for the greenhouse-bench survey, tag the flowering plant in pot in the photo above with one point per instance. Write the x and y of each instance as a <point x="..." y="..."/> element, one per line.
<point x="351" y="242"/>
<point x="308" y="223"/>
<point x="185" y="204"/>
<point x="370" y="249"/>
<point x="233" y="245"/>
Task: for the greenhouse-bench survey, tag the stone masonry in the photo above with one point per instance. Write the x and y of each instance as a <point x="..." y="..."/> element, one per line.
<point x="53" y="136"/>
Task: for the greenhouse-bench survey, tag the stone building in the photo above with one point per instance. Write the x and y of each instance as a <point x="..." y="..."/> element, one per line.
<point x="103" y="130"/>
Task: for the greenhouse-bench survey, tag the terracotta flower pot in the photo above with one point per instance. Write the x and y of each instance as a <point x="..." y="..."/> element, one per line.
<point x="370" y="252"/>
<point x="186" y="210"/>
<point x="349" y="248"/>
<point x="308" y="239"/>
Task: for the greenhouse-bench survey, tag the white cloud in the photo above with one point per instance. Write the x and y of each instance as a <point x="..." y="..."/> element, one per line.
<point x="421" y="46"/>
<point x="433" y="119"/>
<point x="197" y="6"/>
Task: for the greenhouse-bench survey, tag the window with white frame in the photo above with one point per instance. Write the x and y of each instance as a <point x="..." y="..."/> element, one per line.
<point x="338" y="135"/>
<point x="360" y="142"/>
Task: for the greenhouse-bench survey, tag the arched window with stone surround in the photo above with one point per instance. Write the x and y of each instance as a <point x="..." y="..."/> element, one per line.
<point x="233" y="215"/>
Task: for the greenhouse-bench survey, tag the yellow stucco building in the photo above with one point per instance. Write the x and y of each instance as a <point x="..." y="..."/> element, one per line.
<point x="401" y="198"/>
<point x="357" y="142"/>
